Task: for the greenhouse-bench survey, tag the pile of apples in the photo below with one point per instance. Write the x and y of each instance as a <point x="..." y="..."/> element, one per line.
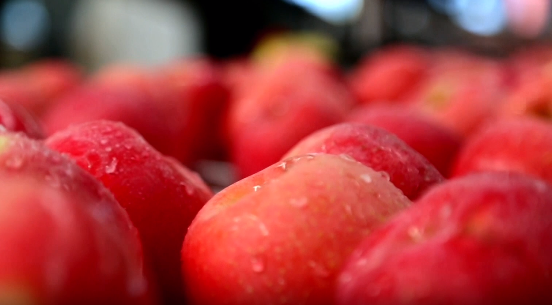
<point x="420" y="176"/>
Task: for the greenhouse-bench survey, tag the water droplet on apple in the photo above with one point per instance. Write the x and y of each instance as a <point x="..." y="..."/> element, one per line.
<point x="14" y="162"/>
<point x="108" y="149"/>
<point x="283" y="165"/>
<point x="103" y="141"/>
<point x="257" y="264"/>
<point x="111" y="167"/>
<point x="256" y="188"/>
<point x="348" y="209"/>
<point x="366" y="178"/>
<point x="310" y="156"/>
<point x="414" y="233"/>
<point x="347" y="157"/>
<point x="299" y="202"/>
<point x="318" y="269"/>
<point x="52" y="180"/>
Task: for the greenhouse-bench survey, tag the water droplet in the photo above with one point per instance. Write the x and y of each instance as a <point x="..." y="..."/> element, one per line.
<point x="257" y="264"/>
<point x="366" y="178"/>
<point x="53" y="180"/>
<point x="318" y="269"/>
<point x="108" y="149"/>
<point x="310" y="156"/>
<point x="103" y="141"/>
<point x="283" y="165"/>
<point x="256" y="188"/>
<point x="111" y="167"/>
<point x="414" y="233"/>
<point x="14" y="162"/>
<point x="385" y="175"/>
<point x="264" y="229"/>
<point x="348" y="209"/>
<point x="127" y="146"/>
<point x="347" y="157"/>
<point x="299" y="202"/>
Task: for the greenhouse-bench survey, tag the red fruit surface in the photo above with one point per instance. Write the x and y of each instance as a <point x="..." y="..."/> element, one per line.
<point x="160" y="195"/>
<point x="519" y="145"/>
<point x="52" y="78"/>
<point x="65" y="239"/>
<point x="280" y="235"/>
<point x="461" y="94"/>
<point x="389" y="73"/>
<point x="289" y="102"/>
<point x="198" y="85"/>
<point x="480" y="239"/>
<point x="376" y="148"/>
<point x="433" y="140"/>
<point x="15" y="118"/>
<point x="158" y="122"/>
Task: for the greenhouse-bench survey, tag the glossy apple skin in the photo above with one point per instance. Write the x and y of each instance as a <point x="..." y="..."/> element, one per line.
<point x="433" y="140"/>
<point x="518" y="145"/>
<point x="65" y="239"/>
<point x="389" y="73"/>
<point x="479" y="239"/>
<point x="376" y="148"/>
<point x="288" y="102"/>
<point x="160" y="195"/>
<point x="280" y="235"/>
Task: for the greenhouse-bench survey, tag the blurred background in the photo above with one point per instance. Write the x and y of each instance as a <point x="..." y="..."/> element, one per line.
<point x="95" y="33"/>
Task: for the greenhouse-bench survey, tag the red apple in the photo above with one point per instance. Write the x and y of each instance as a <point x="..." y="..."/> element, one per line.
<point x="160" y="195"/>
<point x="519" y="145"/>
<point x="16" y="119"/>
<point x="461" y="94"/>
<point x="65" y="239"/>
<point x="199" y="87"/>
<point x="389" y="73"/>
<point x="481" y="239"/>
<point x="288" y="102"/>
<point x="376" y="148"/>
<point x="433" y="140"/>
<point x="281" y="235"/>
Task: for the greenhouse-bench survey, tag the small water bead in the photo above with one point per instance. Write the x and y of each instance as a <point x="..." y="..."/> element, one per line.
<point x="366" y="178"/>
<point x="256" y="188"/>
<point x="111" y="167"/>
<point x="257" y="264"/>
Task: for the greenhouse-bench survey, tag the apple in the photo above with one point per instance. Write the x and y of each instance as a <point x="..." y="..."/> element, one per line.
<point x="16" y="119"/>
<point x="432" y="139"/>
<point x="376" y="148"/>
<point x="518" y="145"/>
<point x="280" y="236"/>
<point x="462" y="93"/>
<point x="479" y="239"/>
<point x="65" y="239"/>
<point x="286" y="103"/>
<point x="389" y="73"/>
<point x="160" y="195"/>
<point x="200" y="88"/>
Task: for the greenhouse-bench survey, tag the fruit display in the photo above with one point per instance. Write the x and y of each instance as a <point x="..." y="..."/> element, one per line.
<point x="419" y="175"/>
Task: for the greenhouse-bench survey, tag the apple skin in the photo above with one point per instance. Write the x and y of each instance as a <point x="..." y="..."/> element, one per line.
<point x="389" y="73"/>
<point x="288" y="102"/>
<point x="199" y="86"/>
<point x="479" y="239"/>
<point x="461" y="91"/>
<point x="71" y="225"/>
<point x="15" y="118"/>
<point x="376" y="148"/>
<point x="518" y="145"/>
<point x="433" y="140"/>
<point x="160" y="195"/>
<point x="280" y="235"/>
